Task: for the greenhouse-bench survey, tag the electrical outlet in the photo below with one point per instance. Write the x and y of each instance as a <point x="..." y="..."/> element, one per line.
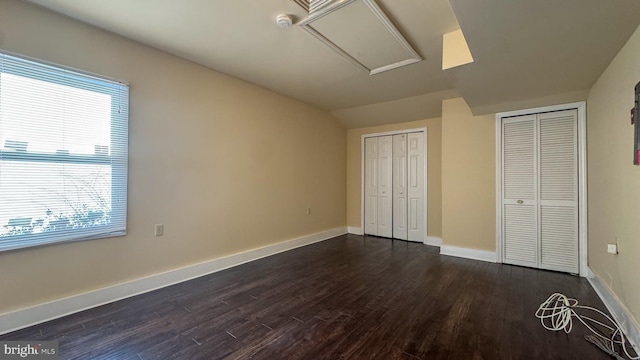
<point x="159" y="229"/>
<point x="612" y="248"/>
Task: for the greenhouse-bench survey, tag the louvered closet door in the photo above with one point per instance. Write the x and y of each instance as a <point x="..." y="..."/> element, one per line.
<point x="385" y="189"/>
<point x="371" y="186"/>
<point x="558" y="191"/>
<point x="400" y="207"/>
<point x="519" y="179"/>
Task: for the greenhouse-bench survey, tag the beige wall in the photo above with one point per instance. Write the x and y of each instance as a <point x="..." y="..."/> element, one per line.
<point x="354" y="166"/>
<point x="613" y="181"/>
<point x="225" y="165"/>
<point x="468" y="177"/>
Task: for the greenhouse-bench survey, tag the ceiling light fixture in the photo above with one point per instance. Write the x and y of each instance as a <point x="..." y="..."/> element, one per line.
<point x="284" y="21"/>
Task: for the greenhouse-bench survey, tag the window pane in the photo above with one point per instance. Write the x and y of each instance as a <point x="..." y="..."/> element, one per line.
<point x="42" y="196"/>
<point x="60" y="118"/>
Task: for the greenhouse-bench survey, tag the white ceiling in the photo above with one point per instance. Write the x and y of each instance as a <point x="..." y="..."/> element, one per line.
<point x="531" y="52"/>
<point x="527" y="53"/>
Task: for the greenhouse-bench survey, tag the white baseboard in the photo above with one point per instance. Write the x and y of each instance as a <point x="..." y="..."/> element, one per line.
<point x="58" y="308"/>
<point x="482" y="255"/>
<point x="356" y="230"/>
<point x="433" y="241"/>
<point x="620" y="313"/>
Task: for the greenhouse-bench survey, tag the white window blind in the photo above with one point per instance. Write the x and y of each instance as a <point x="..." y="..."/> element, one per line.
<point x="63" y="154"/>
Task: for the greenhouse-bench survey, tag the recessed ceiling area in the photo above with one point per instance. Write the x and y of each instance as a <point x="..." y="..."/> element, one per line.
<point x="525" y="52"/>
<point x="455" y="50"/>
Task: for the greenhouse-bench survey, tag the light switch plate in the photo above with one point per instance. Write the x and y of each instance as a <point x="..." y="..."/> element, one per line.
<point x="159" y="229"/>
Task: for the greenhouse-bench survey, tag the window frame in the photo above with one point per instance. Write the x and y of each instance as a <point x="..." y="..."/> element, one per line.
<point x="117" y="158"/>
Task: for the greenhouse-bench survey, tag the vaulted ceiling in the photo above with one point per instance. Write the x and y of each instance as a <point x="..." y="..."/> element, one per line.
<point x="526" y="53"/>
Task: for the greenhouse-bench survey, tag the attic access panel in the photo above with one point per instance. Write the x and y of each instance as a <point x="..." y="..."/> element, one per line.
<point x="360" y="32"/>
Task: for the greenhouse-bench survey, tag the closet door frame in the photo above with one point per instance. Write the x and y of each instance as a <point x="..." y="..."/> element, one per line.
<point x="582" y="177"/>
<point x="362" y="173"/>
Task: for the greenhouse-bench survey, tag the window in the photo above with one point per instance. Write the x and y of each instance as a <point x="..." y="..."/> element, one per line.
<point x="63" y="154"/>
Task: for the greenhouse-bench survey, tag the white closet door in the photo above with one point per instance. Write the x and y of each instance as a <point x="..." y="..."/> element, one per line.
<point x="400" y="207"/>
<point x="371" y="186"/>
<point x="519" y="181"/>
<point x="416" y="186"/>
<point x="558" y="192"/>
<point x="385" y="189"/>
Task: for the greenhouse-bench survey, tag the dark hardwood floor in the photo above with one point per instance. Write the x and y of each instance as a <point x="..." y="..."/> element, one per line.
<point x="351" y="297"/>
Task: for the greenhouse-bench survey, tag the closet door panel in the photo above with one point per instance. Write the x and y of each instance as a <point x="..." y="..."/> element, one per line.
<point x="519" y="158"/>
<point x="521" y="235"/>
<point x="559" y="239"/>
<point x="371" y="186"/>
<point x="519" y="203"/>
<point x="559" y="191"/>
<point x="416" y="186"/>
<point x="385" y="189"/>
<point x="400" y="207"/>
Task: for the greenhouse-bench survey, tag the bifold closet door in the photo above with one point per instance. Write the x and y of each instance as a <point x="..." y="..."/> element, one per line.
<point x="378" y="186"/>
<point x="385" y="188"/>
<point x="371" y="186"/>
<point x="394" y="186"/>
<point x="416" y="187"/>
<point x="540" y="191"/>
<point x="559" y="191"/>
<point x="400" y="206"/>
<point x="519" y="181"/>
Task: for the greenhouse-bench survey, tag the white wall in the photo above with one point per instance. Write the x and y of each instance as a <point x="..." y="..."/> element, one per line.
<point x="226" y="166"/>
<point x="613" y="180"/>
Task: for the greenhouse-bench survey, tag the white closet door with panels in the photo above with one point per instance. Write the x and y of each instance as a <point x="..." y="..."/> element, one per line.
<point x="394" y="186"/>
<point x="416" y="186"/>
<point x="400" y="206"/>
<point x="371" y="186"/>
<point x="385" y="189"/>
<point x="540" y="191"/>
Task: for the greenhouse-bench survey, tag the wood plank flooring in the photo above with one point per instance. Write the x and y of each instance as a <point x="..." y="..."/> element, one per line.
<point x="351" y="297"/>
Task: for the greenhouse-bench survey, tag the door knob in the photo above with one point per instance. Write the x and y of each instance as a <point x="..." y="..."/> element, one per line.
<point x="520" y="202"/>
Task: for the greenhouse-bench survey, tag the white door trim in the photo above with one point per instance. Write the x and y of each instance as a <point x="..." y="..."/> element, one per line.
<point x="582" y="176"/>
<point x="426" y="172"/>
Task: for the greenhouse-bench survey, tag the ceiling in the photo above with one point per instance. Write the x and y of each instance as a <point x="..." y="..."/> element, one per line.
<point x="527" y="53"/>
